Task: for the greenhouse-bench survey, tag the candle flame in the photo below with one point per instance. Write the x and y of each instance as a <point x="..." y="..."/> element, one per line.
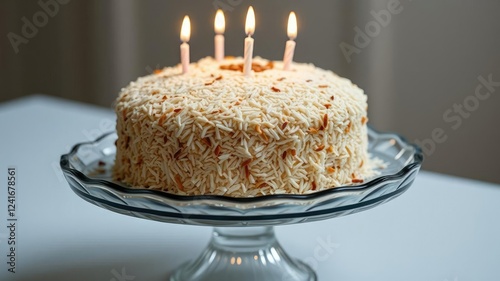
<point x="292" y="26"/>
<point x="186" y="29"/>
<point x="220" y="22"/>
<point x="250" y="22"/>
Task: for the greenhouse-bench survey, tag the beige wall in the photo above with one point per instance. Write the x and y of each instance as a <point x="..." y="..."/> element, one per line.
<point x="426" y="59"/>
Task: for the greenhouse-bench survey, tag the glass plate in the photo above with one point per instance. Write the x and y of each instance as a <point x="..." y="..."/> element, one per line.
<point x="88" y="170"/>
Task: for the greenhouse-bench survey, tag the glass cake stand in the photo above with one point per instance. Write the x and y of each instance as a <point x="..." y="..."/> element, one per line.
<point x="243" y="245"/>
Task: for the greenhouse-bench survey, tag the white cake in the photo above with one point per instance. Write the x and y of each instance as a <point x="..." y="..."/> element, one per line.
<point x="215" y="131"/>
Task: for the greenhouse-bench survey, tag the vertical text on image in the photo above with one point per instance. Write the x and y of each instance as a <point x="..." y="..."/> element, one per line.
<point x="11" y="219"/>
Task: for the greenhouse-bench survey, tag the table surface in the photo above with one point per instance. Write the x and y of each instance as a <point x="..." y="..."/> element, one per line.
<point x="442" y="229"/>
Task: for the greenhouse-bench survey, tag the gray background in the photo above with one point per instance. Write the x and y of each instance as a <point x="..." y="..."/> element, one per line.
<point x="424" y="61"/>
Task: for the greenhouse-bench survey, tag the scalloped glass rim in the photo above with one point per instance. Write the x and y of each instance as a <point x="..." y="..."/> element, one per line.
<point x="415" y="164"/>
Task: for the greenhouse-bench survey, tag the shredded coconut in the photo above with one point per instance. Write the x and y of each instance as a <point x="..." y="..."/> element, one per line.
<point x="215" y="131"/>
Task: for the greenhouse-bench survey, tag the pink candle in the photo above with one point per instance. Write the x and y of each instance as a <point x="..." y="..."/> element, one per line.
<point x="249" y="30"/>
<point x="290" y="44"/>
<point x="219" y="27"/>
<point x="185" y="36"/>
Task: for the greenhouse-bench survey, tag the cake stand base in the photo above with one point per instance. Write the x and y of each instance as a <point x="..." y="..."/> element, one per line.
<point x="244" y="254"/>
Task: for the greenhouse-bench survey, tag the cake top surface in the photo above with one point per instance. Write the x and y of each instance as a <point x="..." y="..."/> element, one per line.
<point x="221" y="88"/>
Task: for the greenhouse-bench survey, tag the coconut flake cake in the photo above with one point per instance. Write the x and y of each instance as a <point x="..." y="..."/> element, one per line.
<point x="215" y="131"/>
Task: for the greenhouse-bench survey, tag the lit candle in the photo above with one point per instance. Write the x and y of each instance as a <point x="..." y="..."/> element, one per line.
<point x="249" y="30"/>
<point x="219" y="27"/>
<point x="290" y="44"/>
<point x="185" y="35"/>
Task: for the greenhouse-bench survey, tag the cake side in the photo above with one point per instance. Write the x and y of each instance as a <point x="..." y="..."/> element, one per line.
<point x="214" y="131"/>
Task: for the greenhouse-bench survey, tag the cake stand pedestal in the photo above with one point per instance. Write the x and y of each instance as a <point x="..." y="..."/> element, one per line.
<point x="237" y="253"/>
<point x="243" y="245"/>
